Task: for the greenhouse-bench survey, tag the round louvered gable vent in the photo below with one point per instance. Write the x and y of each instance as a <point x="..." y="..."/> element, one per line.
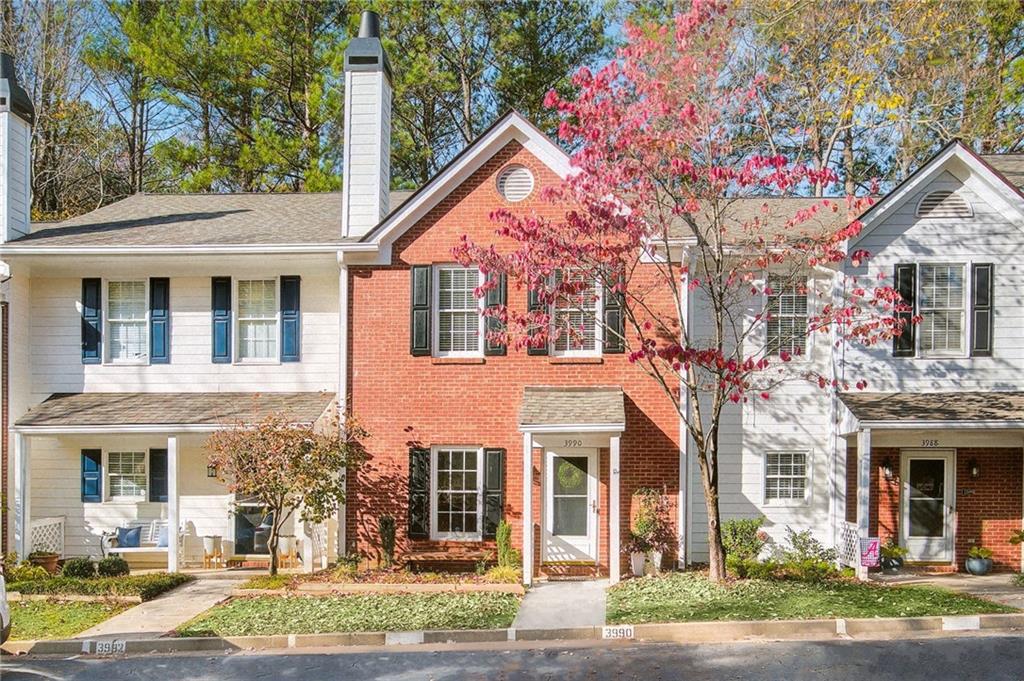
<point x="515" y="183"/>
<point x="944" y="204"/>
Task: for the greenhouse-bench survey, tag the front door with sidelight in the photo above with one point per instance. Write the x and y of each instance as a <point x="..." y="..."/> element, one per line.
<point x="926" y="513"/>
<point x="570" y="506"/>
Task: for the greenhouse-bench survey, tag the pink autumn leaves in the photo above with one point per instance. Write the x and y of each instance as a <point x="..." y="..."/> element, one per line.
<point x="657" y="209"/>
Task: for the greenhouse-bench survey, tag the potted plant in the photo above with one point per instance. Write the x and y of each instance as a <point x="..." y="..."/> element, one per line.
<point x="979" y="560"/>
<point x="651" y="524"/>
<point x="45" y="559"/>
<point x="892" y="556"/>
<point x="636" y="548"/>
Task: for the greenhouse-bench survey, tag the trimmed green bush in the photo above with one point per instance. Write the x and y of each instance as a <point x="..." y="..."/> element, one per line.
<point x="508" y="557"/>
<point x="80" y="568"/>
<point x="24" y="571"/>
<point x="387" y="539"/>
<point x="744" y="538"/>
<point x="145" y="586"/>
<point x="112" y="566"/>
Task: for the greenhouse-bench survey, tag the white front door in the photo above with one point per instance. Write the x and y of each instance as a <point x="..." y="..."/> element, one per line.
<point x="926" y="507"/>
<point x="570" y="505"/>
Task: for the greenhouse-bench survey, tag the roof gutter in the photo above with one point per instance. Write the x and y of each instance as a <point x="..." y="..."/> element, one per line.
<point x="234" y="249"/>
<point x="953" y="424"/>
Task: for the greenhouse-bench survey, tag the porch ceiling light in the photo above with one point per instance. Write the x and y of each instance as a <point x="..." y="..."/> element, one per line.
<point x="211" y="471"/>
<point x="887" y="469"/>
<point x="974" y="468"/>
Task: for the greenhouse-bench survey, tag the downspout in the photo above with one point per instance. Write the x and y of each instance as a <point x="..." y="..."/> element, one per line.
<point x="343" y="393"/>
<point x="683" y="510"/>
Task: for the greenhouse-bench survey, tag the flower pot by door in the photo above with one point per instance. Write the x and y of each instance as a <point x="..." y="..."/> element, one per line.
<point x="978" y="566"/>
<point x="656" y="561"/>
<point x="636" y="563"/>
<point x="47" y="561"/>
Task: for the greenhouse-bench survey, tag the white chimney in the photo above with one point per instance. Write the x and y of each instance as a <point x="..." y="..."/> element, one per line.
<point x="366" y="174"/>
<point x="16" y="118"/>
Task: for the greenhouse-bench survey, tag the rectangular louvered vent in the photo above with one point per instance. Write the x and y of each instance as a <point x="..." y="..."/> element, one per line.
<point x="944" y="204"/>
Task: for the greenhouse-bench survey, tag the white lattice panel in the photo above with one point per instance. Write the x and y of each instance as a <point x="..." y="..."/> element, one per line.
<point x="48" y="535"/>
<point x="849" y="544"/>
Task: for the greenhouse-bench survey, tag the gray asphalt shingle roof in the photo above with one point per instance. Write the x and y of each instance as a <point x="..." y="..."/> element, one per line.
<point x="552" y="406"/>
<point x="157" y="409"/>
<point x="203" y="220"/>
<point x="958" y="406"/>
<point x="1010" y="166"/>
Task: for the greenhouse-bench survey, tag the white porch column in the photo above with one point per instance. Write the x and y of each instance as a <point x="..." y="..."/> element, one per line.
<point x="22" y="496"/>
<point x="173" y="531"/>
<point x="863" y="491"/>
<point x="527" y="508"/>
<point x="343" y="297"/>
<point x="614" y="519"/>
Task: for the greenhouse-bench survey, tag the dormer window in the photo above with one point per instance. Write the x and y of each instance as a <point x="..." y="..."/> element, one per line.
<point x="944" y="204"/>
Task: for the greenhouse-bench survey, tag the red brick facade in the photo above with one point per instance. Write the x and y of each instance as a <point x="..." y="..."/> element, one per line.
<point x="988" y="508"/>
<point x="407" y="401"/>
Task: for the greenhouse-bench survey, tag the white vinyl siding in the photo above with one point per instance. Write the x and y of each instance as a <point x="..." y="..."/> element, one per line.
<point x="127" y="337"/>
<point x="787" y="316"/>
<point x="456" y="493"/>
<point x="126" y="475"/>
<point x="257" y="319"/>
<point x="785" y="477"/>
<point x="942" y="305"/>
<point x="574" y="319"/>
<point x="458" y="323"/>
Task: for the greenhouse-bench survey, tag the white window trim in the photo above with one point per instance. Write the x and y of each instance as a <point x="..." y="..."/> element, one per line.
<point x="457" y="536"/>
<point x="809" y="338"/>
<point x="808" y="478"/>
<point x="236" y="338"/>
<point x="968" y="326"/>
<point x="107" y="496"/>
<point x="435" y="314"/>
<point x="598" y="349"/>
<point x="105" y="338"/>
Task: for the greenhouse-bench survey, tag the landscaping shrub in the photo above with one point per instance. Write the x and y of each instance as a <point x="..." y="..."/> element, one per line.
<point x="112" y="566"/>
<point x="145" y="586"/>
<point x="504" y="574"/>
<point x="267" y="582"/>
<point x="1018" y="579"/>
<point x="743" y="538"/>
<point x="386" y="524"/>
<point x="80" y="568"/>
<point x="802" y="546"/>
<point x="25" y="571"/>
<point x="508" y="557"/>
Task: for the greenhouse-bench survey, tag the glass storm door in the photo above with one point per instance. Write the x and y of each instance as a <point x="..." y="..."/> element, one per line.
<point x="570" y="506"/>
<point x="927" y="508"/>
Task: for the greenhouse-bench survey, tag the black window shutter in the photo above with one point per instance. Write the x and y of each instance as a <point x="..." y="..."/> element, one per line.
<point x="494" y="490"/>
<point x="291" y="319"/>
<point x="221" y="306"/>
<point x="614" y="321"/>
<point x="419" y="493"/>
<point x="534" y="304"/>
<point x="91" y="321"/>
<point x="158" y="475"/>
<point x="905" y="280"/>
<point x="159" y="320"/>
<point x="495" y="297"/>
<point x="981" y="310"/>
<point x="92" y="475"/>
<point x="419" y="325"/>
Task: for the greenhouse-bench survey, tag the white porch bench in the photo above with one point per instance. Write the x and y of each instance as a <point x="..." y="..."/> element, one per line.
<point x="149" y="537"/>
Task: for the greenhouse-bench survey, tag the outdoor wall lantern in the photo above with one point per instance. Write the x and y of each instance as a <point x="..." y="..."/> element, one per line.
<point x="975" y="468"/>
<point x="887" y="469"/>
<point x="211" y="471"/>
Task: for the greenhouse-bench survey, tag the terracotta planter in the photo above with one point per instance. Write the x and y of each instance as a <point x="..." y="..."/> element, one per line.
<point x="636" y="563"/>
<point x="47" y="561"/>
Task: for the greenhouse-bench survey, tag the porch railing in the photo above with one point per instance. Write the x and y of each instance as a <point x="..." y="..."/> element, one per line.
<point x="849" y="544"/>
<point x="47" y="534"/>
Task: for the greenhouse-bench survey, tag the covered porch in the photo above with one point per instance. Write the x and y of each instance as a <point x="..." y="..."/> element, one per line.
<point x="571" y="481"/>
<point x="935" y="473"/>
<point x="127" y="473"/>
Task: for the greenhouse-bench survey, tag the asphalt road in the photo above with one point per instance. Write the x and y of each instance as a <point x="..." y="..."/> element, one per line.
<point x="989" y="658"/>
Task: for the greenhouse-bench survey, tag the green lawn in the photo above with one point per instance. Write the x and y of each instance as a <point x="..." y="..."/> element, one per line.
<point x="34" y="620"/>
<point x="267" y="615"/>
<point x="689" y="597"/>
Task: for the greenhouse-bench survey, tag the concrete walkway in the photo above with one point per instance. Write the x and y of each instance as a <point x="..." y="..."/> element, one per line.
<point x="998" y="588"/>
<point x="165" y="612"/>
<point x="556" y="605"/>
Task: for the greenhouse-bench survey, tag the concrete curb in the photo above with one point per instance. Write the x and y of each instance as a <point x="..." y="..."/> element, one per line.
<point x="681" y="632"/>
<point x="321" y="589"/>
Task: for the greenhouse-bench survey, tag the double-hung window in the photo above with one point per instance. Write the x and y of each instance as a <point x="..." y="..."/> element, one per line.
<point x="257" y="319"/>
<point x="127" y="337"/>
<point x="126" y="475"/>
<point x="574" y="317"/>
<point x="785" y="477"/>
<point x="457" y="488"/>
<point x="942" y="306"/>
<point x="458" y="323"/>
<point x="787" y="316"/>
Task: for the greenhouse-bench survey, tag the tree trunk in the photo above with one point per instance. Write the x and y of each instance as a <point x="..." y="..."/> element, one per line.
<point x="272" y="545"/>
<point x="716" y="552"/>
